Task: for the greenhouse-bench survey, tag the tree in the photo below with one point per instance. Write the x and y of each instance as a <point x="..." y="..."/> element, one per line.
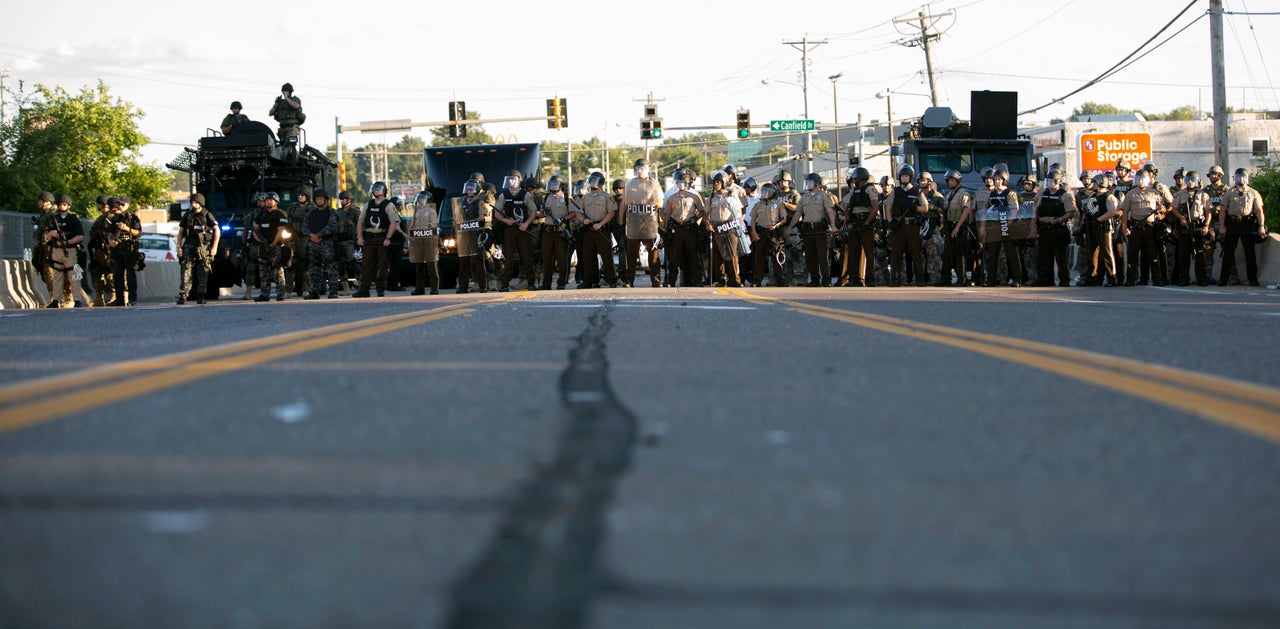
<point x="821" y="146"/>
<point x="1267" y="182"/>
<point x="1185" y="112"/>
<point x="82" y="145"/>
<point x="1096" y="109"/>
<point x="475" y="134"/>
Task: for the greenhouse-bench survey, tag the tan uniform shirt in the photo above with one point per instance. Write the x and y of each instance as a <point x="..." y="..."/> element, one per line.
<point x="815" y="205"/>
<point x="597" y="206"/>
<point x="956" y="203"/>
<point x="769" y="213"/>
<point x="1140" y="203"/>
<point x="1242" y="201"/>
<point x="724" y="207"/>
<point x="1192" y="204"/>
<point x="425" y="219"/>
<point x="555" y="208"/>
<point x="683" y="206"/>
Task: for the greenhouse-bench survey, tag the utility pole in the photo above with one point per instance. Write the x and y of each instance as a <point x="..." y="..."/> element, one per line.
<point x="835" y="115"/>
<point x="803" y="47"/>
<point x="4" y="74"/>
<point x="1220" y="146"/>
<point x="926" y="21"/>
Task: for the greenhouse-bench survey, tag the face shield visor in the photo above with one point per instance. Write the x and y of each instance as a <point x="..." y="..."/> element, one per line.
<point x="471" y="187"/>
<point x="553" y="186"/>
<point x="511" y="182"/>
<point x="1240" y="179"/>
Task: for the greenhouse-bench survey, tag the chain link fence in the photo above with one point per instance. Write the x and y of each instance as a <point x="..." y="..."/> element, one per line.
<point x="17" y="235"/>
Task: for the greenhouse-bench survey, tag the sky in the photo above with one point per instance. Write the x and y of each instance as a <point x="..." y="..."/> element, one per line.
<point x="183" y="63"/>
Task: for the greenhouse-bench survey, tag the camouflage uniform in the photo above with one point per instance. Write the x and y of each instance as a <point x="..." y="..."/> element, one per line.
<point x="100" y="259"/>
<point x="321" y="255"/>
<point x="934" y="244"/>
<point x="345" y="244"/>
<point x="267" y="226"/>
<point x="195" y="233"/>
<point x="297" y="275"/>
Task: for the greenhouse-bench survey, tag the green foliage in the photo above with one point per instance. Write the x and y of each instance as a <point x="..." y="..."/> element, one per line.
<point x="1267" y="182"/>
<point x="589" y="155"/>
<point x="1185" y="112"/>
<point x="1096" y="109"/>
<point x="83" y="145"/>
<point x="821" y="146"/>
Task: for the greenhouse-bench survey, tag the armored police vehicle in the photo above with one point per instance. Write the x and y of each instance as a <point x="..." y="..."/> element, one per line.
<point x="449" y="167"/>
<point x="231" y="170"/>
<point x="938" y="142"/>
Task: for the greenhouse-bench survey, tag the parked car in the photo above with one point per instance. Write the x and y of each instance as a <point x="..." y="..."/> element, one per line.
<point x="158" y="247"/>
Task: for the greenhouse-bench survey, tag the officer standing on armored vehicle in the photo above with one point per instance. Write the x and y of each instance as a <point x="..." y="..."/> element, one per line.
<point x="816" y="217"/>
<point x="124" y="253"/>
<point x="296" y="279"/>
<point x="198" y="236"/>
<point x="474" y="213"/>
<point x="424" y="244"/>
<point x="1055" y="206"/>
<point x="1195" y="232"/>
<point x="378" y="220"/>
<point x="1241" y="222"/>
<point x="557" y="233"/>
<point x="956" y="215"/>
<point x="682" y="212"/>
<point x="269" y="228"/>
<point x="287" y="111"/>
<point x="862" y="208"/>
<point x="100" y="253"/>
<point x="516" y="209"/>
<point x="598" y="210"/>
<point x="320" y="229"/>
<point x="907" y="207"/>
<point x="642" y="198"/>
<point x="232" y="119"/>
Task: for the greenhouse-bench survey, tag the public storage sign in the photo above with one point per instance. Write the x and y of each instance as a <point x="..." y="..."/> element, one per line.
<point x="1100" y="151"/>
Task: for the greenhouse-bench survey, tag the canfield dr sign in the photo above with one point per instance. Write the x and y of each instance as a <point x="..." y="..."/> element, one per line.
<point x="1101" y="151"/>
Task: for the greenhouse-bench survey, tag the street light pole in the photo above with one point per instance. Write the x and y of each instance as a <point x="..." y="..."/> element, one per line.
<point x="887" y="95"/>
<point x="835" y="114"/>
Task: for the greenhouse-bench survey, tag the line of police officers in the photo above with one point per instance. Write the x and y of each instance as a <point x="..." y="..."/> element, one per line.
<point x="110" y="253"/>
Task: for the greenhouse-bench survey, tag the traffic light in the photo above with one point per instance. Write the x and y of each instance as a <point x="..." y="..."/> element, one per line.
<point x="557" y="113"/>
<point x="744" y="124"/>
<point x="650" y="124"/>
<point x="646" y="129"/>
<point x="457" y="111"/>
<point x="342" y="176"/>
<point x="657" y="128"/>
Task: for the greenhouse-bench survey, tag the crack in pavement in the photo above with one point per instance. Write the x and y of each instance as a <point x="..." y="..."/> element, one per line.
<point x="540" y="568"/>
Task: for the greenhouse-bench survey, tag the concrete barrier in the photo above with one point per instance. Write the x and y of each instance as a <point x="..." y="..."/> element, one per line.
<point x="21" y="286"/>
<point x="1268" y="261"/>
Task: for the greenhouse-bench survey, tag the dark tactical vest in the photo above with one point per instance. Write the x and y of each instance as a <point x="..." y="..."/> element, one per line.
<point x="860" y="199"/>
<point x="514" y="205"/>
<point x="1121" y="190"/>
<point x="317" y="220"/>
<point x="1051" y="205"/>
<point x="906" y="202"/>
<point x="376" y="217"/>
<point x="200" y="226"/>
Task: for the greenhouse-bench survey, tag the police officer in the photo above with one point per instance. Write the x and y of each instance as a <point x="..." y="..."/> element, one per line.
<point x="557" y="232"/>
<point x="1055" y="207"/>
<point x="794" y="266"/>
<point x="816" y="216"/>
<point x="861" y="208"/>
<point x="1195" y="233"/>
<point x="906" y="207"/>
<point x="515" y="210"/>
<point x="1179" y="180"/>
<point x="682" y="213"/>
<point x="619" y="226"/>
<point x="642" y="198"/>
<point x="296" y="278"/>
<point x="395" y="251"/>
<point x="1241" y="222"/>
<point x="1120" y="185"/>
<point x="598" y="211"/>
<point x="319" y="230"/>
<point x="100" y="253"/>
<point x="1140" y="210"/>
<point x="252" y="247"/>
<point x="63" y="236"/>
<point x="1097" y="209"/>
<point x="197" y="242"/>
<point x="981" y="214"/>
<point x="476" y="210"/>
<point x="1164" y="230"/>
<point x="345" y="241"/>
<point x="931" y="240"/>
<point x="723" y="216"/>
<point x="767" y="222"/>
<point x="1002" y="207"/>
<point x="957" y="212"/>
<point x="47" y="207"/>
<point x="268" y="230"/>
<point x="124" y="253"/>
<point x="378" y="221"/>
<point x="287" y="110"/>
<point x="424" y="244"/>
<point x="232" y="119"/>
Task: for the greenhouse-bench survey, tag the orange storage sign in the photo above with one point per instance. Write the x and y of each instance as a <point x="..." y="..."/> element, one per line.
<point x="1100" y="151"/>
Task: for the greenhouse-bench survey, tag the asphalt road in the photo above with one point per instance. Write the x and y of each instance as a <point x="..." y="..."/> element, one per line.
<point x="647" y="458"/>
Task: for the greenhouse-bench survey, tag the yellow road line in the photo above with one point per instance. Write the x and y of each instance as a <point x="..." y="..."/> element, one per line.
<point x="154" y="374"/>
<point x="1249" y="407"/>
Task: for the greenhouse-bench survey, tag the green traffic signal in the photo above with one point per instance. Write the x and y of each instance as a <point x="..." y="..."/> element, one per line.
<point x="657" y="133"/>
<point x="744" y="133"/>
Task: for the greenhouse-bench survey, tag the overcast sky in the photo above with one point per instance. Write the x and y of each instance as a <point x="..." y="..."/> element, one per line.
<point x="183" y="63"/>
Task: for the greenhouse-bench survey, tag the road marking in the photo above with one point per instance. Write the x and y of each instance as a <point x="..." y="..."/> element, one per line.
<point x="131" y="379"/>
<point x="1249" y="407"/>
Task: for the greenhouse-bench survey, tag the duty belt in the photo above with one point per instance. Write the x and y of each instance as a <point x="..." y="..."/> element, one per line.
<point x="374" y="231"/>
<point x="813" y="225"/>
<point x="908" y="219"/>
<point x="1251" y="218"/>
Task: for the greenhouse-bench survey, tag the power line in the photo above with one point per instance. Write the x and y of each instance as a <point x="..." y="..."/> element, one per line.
<point x="1262" y="58"/>
<point x="1115" y="68"/>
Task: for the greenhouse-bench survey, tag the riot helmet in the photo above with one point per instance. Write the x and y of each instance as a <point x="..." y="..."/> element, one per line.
<point x="64" y="199"/>
<point x="1191" y="179"/>
<point x="721" y="178"/>
<point x="378" y="189"/>
<point x="272" y="196"/>
<point x="953" y="175"/>
<point x="531" y="183"/>
<point x="471" y="187"/>
<point x="682" y="178"/>
<point x="1241" y="177"/>
<point x="813" y="182"/>
<point x="1001" y="173"/>
<point x="287" y="87"/>
<point x="988" y="173"/>
<point x="554" y="184"/>
<point x="1216" y="170"/>
<point x="580" y="188"/>
<point x="642" y="168"/>
<point x="768" y="191"/>
<point x="595" y="181"/>
<point x="1181" y="173"/>
<point x="235" y="105"/>
<point x="926" y="176"/>
<point x="783" y="181"/>
<point x="46" y="197"/>
<point x="258" y="198"/>
<point x="732" y="171"/>
<point x="321" y="194"/>
<point x="750" y="184"/>
<point x="1151" y="168"/>
<point x="861" y="174"/>
<point x="906" y="170"/>
<point x="1123" y="164"/>
<point x="1143" y="179"/>
<point x="422" y="198"/>
<point x="1027" y="180"/>
<point x="1100" y="180"/>
<point x="512" y="181"/>
<point x="102" y="200"/>
<point x="197" y="199"/>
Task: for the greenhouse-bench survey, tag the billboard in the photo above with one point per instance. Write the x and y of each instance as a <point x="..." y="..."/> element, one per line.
<point x="1101" y="151"/>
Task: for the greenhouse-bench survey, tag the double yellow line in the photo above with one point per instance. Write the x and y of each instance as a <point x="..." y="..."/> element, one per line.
<point x="1249" y="407"/>
<point x="53" y="397"/>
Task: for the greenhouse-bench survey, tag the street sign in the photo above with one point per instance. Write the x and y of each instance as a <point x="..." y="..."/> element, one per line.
<point x="791" y="125"/>
<point x="386" y="125"/>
